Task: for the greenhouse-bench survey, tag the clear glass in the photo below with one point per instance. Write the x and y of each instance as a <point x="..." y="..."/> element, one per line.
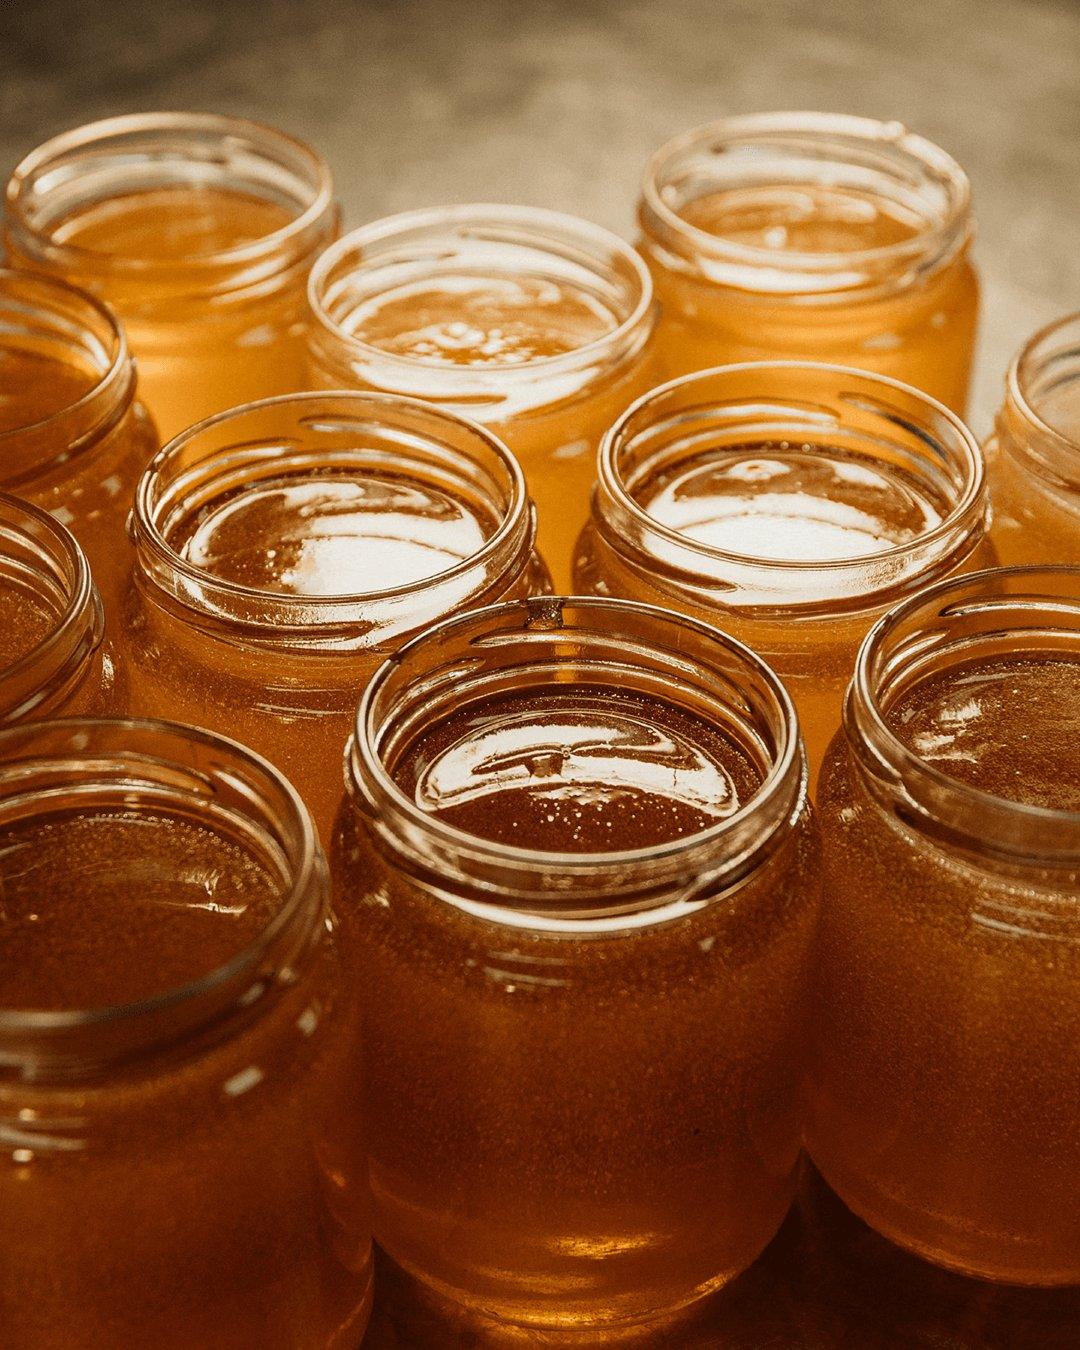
<point x="280" y="663"/>
<point x="73" y="438"/>
<point x="946" y="1098"/>
<point x="1033" y="457"/>
<point x="813" y="236"/>
<point x="584" y="1068"/>
<point x="53" y="654"/>
<point x="805" y="616"/>
<point x="199" y="231"/>
<point x="186" y="1169"/>
<point x="551" y="410"/>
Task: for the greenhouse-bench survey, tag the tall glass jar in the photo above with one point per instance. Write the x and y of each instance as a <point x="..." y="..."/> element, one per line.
<point x="73" y="439"/>
<point x="283" y="549"/>
<point x="813" y="236"/>
<point x="577" y="879"/>
<point x="791" y="504"/>
<point x="946" y="1098"/>
<point x="536" y="324"/>
<point x="199" y="231"/>
<point x="1033" y="457"/>
<point x="53" y="656"/>
<point x="180" y="1162"/>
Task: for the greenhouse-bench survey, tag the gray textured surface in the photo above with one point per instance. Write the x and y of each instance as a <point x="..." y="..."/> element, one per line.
<point x="559" y="103"/>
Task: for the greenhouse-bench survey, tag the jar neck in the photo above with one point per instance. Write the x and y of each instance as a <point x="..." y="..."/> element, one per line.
<point x="40" y="559"/>
<point x="305" y="438"/>
<point x="1039" y="422"/>
<point x="163" y="768"/>
<point x="1003" y="612"/>
<point x="487" y="242"/>
<point x="541" y="643"/>
<point x="48" y="319"/>
<point x="911" y="178"/>
<point x="147" y="152"/>
<point x="880" y="423"/>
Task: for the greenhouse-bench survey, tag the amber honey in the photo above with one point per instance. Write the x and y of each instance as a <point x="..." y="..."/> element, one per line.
<point x="788" y="503"/>
<point x="1033" y="458"/>
<point x="176" y="1057"/>
<point x="199" y="231"/>
<point x="585" y="1033"/>
<point x="283" y="549"/>
<point x="945" y="1098"/>
<point x="813" y="237"/>
<point x="535" y="324"/>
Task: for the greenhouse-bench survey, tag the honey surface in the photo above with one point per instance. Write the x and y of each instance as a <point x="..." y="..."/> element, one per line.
<point x="35" y="386"/>
<point x="25" y="620"/>
<point x="801" y="219"/>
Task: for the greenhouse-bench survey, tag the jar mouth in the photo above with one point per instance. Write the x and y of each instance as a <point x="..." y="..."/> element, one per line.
<point x="143" y="151"/>
<point x="540" y="642"/>
<point x="114" y="763"/>
<point x="502" y="240"/>
<point x="38" y="551"/>
<point x="46" y="316"/>
<point x="1047" y="367"/>
<point x="801" y="149"/>
<point x="307" y="435"/>
<point x="792" y="403"/>
<point x="996" y="611"/>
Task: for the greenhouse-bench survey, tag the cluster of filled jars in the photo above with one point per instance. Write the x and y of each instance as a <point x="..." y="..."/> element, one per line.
<point x="766" y="840"/>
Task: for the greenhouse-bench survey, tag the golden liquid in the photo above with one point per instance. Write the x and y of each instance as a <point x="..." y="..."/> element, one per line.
<point x="210" y="1199"/>
<point x="922" y="334"/>
<point x="35" y="386"/>
<point x="196" y="354"/>
<point x="25" y="621"/>
<point x="316" y="535"/>
<point x="571" y="1127"/>
<point x="784" y="503"/>
<point x="501" y="323"/>
<point x="946" y="1098"/>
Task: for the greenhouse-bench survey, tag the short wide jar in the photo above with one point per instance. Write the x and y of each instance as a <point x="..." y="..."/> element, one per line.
<point x="180" y="1161"/>
<point x="812" y="236"/>
<point x="577" y="878"/>
<point x="946" y="1098"/>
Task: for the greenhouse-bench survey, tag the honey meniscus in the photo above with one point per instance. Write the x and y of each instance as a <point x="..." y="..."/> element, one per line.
<point x="199" y="231"/>
<point x="813" y="236"/>
<point x="534" y="323"/>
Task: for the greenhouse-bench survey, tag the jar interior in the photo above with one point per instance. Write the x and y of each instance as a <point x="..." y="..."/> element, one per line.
<point x="1045" y="385"/>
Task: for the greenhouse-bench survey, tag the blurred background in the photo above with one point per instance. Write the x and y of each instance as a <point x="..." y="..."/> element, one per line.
<point x="559" y="102"/>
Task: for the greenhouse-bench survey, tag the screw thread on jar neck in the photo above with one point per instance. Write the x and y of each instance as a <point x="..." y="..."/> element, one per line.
<point x="1039" y="421"/>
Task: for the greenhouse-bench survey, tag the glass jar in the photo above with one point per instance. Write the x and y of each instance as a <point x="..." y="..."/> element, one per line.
<point x="53" y="657"/>
<point x="791" y="504"/>
<point x="73" y="439"/>
<point x="199" y="231"/>
<point x="813" y="236"/>
<point x="581" y="943"/>
<point x="180" y="1162"/>
<point x="536" y="324"/>
<point x="283" y="549"/>
<point x="1033" y="457"/>
<point x="946" y="1097"/>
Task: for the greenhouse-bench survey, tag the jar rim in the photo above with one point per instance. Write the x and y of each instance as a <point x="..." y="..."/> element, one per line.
<point x="1024" y="369"/>
<point x="781" y="793"/>
<point x="541" y="227"/>
<point x="937" y="241"/>
<point x="305" y="865"/>
<point x="219" y="124"/>
<point x="614" y="492"/>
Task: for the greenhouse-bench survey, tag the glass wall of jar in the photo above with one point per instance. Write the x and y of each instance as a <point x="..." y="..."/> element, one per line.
<point x="790" y="504"/>
<point x="284" y="548"/>
<point x="813" y="236"/>
<point x="53" y="656"/>
<point x="180" y="1162"/>
<point x="73" y="439"/>
<point x="1033" y="457"/>
<point x="946" y="1099"/>
<point x="578" y="881"/>
<point x="536" y="324"/>
<point x="199" y="231"/>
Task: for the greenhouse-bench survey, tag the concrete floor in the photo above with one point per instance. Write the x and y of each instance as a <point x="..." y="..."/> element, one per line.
<point x="558" y="103"/>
